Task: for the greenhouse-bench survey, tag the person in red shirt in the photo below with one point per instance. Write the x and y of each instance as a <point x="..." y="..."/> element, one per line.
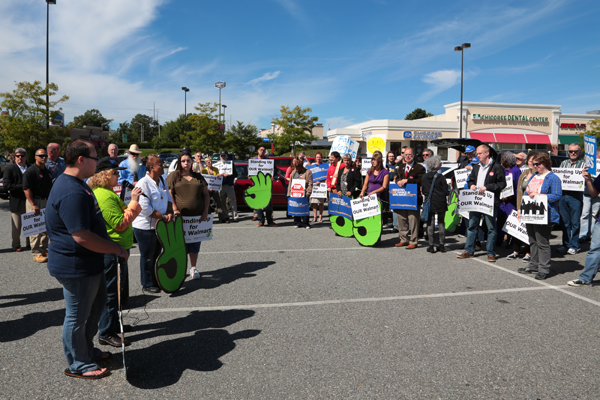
<point x="332" y="172"/>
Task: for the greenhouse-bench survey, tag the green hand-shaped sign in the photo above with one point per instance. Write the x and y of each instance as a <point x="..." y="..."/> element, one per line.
<point x="342" y="226"/>
<point x="171" y="265"/>
<point x="258" y="196"/>
<point x="452" y="216"/>
<point x="368" y="230"/>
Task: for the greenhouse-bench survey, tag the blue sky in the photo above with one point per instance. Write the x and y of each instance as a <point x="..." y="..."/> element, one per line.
<point x="348" y="61"/>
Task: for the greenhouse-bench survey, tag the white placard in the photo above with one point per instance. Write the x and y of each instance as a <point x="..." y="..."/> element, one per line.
<point x="343" y="145"/>
<point x="256" y="165"/>
<point x="461" y="176"/>
<point x="534" y="211"/>
<point x="472" y="201"/>
<point x="570" y="178"/>
<point x="127" y="199"/>
<point x="366" y="207"/>
<point x="224" y="167"/>
<point x="298" y="186"/>
<point x="214" y="182"/>
<point x="32" y="224"/>
<point x="509" y="190"/>
<point x="365" y="166"/>
<point x="195" y="231"/>
<point x="319" y="191"/>
<point x="516" y="228"/>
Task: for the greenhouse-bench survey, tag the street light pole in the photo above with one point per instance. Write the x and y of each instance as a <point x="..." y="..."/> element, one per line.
<point x="48" y="2"/>
<point x="220" y="85"/>
<point x="462" y="58"/>
<point x="185" y="107"/>
<point x="224" y="120"/>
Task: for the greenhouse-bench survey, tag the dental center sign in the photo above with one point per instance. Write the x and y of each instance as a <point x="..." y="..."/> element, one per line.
<point x="422" y="135"/>
<point x="519" y="118"/>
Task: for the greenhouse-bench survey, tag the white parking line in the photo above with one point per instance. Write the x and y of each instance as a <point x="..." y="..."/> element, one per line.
<point x="342" y="301"/>
<point x="549" y="286"/>
<point x="274" y="251"/>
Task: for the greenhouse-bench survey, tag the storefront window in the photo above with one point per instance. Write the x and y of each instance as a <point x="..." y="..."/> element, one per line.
<point x="536" y="147"/>
<point x="396" y="147"/>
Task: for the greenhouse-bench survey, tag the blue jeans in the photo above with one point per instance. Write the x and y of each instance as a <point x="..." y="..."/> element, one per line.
<point x="84" y="301"/>
<point x="149" y="252"/>
<point x="109" y="322"/>
<point x="592" y="260"/>
<point x="472" y="232"/>
<point x="570" y="213"/>
<point x="260" y="214"/>
<point x="589" y="213"/>
<point x="395" y="220"/>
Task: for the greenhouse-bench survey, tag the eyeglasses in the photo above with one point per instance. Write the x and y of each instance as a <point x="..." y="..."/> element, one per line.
<point x="425" y="155"/>
<point x="574" y="151"/>
<point x="93" y="158"/>
<point x="537" y="164"/>
<point x="42" y="155"/>
<point x="19" y="155"/>
<point x="408" y="155"/>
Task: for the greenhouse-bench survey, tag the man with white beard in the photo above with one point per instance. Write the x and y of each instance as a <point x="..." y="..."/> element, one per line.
<point x="134" y="171"/>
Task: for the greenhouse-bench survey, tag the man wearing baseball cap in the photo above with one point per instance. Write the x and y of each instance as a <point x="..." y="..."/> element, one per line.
<point x="133" y="171"/>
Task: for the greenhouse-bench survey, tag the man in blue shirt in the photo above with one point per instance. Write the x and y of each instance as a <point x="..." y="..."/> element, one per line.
<point x="78" y="239"/>
<point x="55" y="164"/>
<point x="134" y="170"/>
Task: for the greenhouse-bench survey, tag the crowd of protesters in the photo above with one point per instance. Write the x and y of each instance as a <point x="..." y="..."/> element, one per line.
<point x="86" y="217"/>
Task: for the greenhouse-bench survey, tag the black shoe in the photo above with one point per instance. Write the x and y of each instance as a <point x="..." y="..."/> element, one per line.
<point x="541" y="276"/>
<point x="151" y="289"/>
<point x="113" y="341"/>
<point x="442" y="249"/>
<point x="526" y="271"/>
<point x="431" y="249"/>
<point x="395" y="230"/>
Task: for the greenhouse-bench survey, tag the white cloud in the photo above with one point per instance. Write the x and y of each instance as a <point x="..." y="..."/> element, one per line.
<point x="439" y="81"/>
<point x="337" y="122"/>
<point x="293" y="9"/>
<point x="266" y="77"/>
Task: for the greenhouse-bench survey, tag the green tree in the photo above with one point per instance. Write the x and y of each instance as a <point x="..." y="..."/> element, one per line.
<point x="418" y="113"/>
<point x="173" y="131"/>
<point x="297" y="128"/>
<point x="124" y="129"/>
<point x="157" y="144"/>
<point x="202" y="130"/>
<point x="239" y="139"/>
<point x="23" y="121"/>
<point x="150" y="127"/>
<point x="91" y="117"/>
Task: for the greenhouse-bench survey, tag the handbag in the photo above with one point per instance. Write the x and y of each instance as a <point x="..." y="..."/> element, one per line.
<point x="427" y="203"/>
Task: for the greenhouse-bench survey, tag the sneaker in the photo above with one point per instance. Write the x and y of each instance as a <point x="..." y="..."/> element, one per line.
<point x="526" y="271"/>
<point x="194" y="273"/>
<point x="527" y="258"/>
<point x="307" y="227"/>
<point x="562" y="249"/>
<point x="297" y="226"/>
<point x="572" y="251"/>
<point x="512" y="256"/>
<point x="577" y="282"/>
<point x="460" y="235"/>
<point x="442" y="249"/>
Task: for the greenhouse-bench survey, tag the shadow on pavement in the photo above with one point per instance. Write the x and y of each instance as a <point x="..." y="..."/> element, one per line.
<point x="162" y="364"/>
<point x="32" y="298"/>
<point x="30" y="324"/>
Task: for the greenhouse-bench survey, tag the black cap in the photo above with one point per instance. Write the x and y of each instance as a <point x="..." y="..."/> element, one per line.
<point x="186" y="149"/>
<point x="107" y="163"/>
<point x="224" y="153"/>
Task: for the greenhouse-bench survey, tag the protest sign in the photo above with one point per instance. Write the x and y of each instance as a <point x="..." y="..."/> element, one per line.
<point x="570" y="178"/>
<point x="224" y="167"/>
<point x="319" y="172"/>
<point x="319" y="191"/>
<point x="516" y="228"/>
<point x="403" y="198"/>
<point x="343" y="145"/>
<point x="365" y="166"/>
<point x="461" y="176"/>
<point x="340" y="205"/>
<point x="365" y="207"/>
<point x="298" y="207"/>
<point x="472" y="201"/>
<point x="298" y="186"/>
<point x="196" y="231"/>
<point x="256" y="165"/>
<point x="509" y="190"/>
<point x="590" y="143"/>
<point x="118" y="189"/>
<point x="214" y="182"/>
<point x="534" y="211"/>
<point x="33" y="224"/>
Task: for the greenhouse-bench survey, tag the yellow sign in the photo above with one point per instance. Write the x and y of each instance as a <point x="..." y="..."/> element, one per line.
<point x="375" y="143"/>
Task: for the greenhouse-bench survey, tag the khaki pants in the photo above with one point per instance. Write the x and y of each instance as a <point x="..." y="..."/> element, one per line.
<point x="227" y="191"/>
<point x="408" y="219"/>
<point x="39" y="242"/>
<point x="16" y="230"/>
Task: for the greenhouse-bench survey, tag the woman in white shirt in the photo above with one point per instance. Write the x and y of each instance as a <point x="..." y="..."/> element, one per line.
<point x="157" y="205"/>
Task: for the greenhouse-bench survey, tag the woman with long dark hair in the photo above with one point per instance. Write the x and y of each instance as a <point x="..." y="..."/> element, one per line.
<point x="377" y="179"/>
<point x="297" y="171"/>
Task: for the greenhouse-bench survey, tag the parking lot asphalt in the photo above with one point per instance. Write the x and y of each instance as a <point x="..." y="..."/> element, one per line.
<point x="284" y="313"/>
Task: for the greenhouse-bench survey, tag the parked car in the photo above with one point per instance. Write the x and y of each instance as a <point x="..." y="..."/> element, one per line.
<point x="4" y="162"/>
<point x="164" y="156"/>
<point x="3" y="191"/>
<point x="217" y="157"/>
<point x="243" y="182"/>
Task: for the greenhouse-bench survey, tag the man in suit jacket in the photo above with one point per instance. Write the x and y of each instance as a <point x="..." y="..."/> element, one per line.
<point x="13" y="182"/>
<point x="489" y="176"/>
<point x="409" y="172"/>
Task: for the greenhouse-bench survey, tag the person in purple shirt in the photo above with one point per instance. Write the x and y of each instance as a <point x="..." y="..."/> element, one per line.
<point x="378" y="178"/>
<point x="507" y="204"/>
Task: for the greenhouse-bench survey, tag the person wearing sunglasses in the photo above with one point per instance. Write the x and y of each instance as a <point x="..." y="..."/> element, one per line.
<point x="542" y="182"/>
<point x="13" y="182"/>
<point x="571" y="205"/>
<point x="37" y="183"/>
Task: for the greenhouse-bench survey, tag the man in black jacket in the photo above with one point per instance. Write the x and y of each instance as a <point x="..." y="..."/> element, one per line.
<point x="489" y="176"/>
<point x="13" y="182"/>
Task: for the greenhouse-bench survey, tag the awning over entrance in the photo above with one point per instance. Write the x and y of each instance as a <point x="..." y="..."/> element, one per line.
<point x="510" y="138"/>
<point x="568" y="139"/>
<point x="484" y="137"/>
<point x="538" y="139"/>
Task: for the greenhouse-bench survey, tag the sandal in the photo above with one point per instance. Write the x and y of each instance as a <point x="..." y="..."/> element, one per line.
<point x="320" y="219"/>
<point x="104" y="372"/>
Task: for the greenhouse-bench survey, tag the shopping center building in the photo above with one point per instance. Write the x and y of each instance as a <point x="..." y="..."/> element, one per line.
<point x="514" y="127"/>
